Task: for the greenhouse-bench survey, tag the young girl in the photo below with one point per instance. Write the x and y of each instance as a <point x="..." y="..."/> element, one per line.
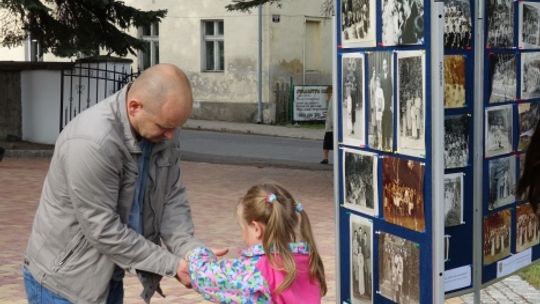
<point x="281" y="263"/>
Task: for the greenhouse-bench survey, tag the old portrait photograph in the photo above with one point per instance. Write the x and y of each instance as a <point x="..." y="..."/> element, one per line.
<point x="402" y="22"/>
<point x="521" y="158"/>
<point x="411" y="92"/>
<point x="529" y="25"/>
<point x="456" y="141"/>
<point x="454" y="81"/>
<point x="527" y="227"/>
<point x="360" y="181"/>
<point x="500" y="28"/>
<point x="502" y="181"/>
<point x="399" y="269"/>
<point x="502" y="69"/>
<point x="361" y="246"/>
<point x="457" y="24"/>
<point x="498" y="130"/>
<point x="353" y="99"/>
<point x="497" y="236"/>
<point x="530" y="75"/>
<point x="403" y="190"/>
<point x="381" y="128"/>
<point x="529" y="115"/>
<point x="453" y="199"/>
<point x="358" y="23"/>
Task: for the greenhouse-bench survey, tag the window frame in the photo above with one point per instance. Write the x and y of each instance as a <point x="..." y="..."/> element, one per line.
<point x="153" y="46"/>
<point x="216" y="38"/>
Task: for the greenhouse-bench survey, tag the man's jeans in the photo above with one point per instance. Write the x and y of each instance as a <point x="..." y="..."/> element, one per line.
<point x="37" y="294"/>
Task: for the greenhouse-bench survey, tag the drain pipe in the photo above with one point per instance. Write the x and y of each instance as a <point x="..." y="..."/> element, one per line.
<point x="259" y="69"/>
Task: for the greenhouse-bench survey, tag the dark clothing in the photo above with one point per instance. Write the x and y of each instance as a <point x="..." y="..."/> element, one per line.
<point x="328" y="142"/>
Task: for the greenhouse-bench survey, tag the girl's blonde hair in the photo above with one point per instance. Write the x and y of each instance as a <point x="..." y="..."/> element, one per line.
<point x="281" y="220"/>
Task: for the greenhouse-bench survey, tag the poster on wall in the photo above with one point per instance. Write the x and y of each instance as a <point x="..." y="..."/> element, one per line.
<point x="453" y="199"/>
<point x="454" y="81"/>
<point x="399" y="269"/>
<point x="310" y="103"/>
<point x="361" y="255"/>
<point x="456" y="141"/>
<point x="381" y="127"/>
<point x="360" y="188"/>
<point x="497" y="236"/>
<point x="503" y="77"/>
<point x="358" y="23"/>
<point x="500" y="31"/>
<point x="402" y="22"/>
<point x="529" y="114"/>
<point x="498" y="130"/>
<point x="403" y="190"/>
<point x="411" y="92"/>
<point x="502" y="182"/>
<point x="353" y="99"/>
<point x="527" y="227"/>
<point x="457" y="24"/>
<point x="530" y="75"/>
<point x="529" y="25"/>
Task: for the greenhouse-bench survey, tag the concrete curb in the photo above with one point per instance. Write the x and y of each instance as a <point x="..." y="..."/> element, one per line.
<point x="29" y="153"/>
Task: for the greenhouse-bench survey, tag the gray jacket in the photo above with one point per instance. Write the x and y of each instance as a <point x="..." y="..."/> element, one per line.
<point x="80" y="228"/>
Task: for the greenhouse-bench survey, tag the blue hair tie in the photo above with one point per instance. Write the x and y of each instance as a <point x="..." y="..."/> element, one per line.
<point x="270" y="198"/>
<point x="299" y="207"/>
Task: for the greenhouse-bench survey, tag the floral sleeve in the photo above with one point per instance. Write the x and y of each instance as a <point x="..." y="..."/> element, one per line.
<point x="227" y="280"/>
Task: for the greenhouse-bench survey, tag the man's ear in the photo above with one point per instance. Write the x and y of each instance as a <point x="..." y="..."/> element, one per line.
<point x="259" y="229"/>
<point x="133" y="106"/>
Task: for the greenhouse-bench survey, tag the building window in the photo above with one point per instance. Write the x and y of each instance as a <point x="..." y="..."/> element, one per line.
<point x="150" y="56"/>
<point x="213" y="51"/>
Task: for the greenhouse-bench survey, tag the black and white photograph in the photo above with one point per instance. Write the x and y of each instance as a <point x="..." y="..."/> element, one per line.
<point x="411" y="94"/>
<point x="502" y="69"/>
<point x="454" y="81"/>
<point x="530" y="75"/>
<point x="529" y="25"/>
<point x="456" y="141"/>
<point x="353" y="102"/>
<point x="402" y="22"/>
<point x="502" y="182"/>
<point x="360" y="181"/>
<point x="457" y="24"/>
<point x="498" y="130"/>
<point x="500" y="31"/>
<point x="527" y="227"/>
<point x="361" y="244"/>
<point x="381" y="128"/>
<point x="521" y="158"/>
<point x="529" y="115"/>
<point x="358" y="23"/>
<point x="497" y="236"/>
<point x="399" y="269"/>
<point x="453" y="199"/>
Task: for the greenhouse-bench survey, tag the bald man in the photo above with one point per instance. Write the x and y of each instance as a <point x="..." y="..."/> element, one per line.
<point x="113" y="195"/>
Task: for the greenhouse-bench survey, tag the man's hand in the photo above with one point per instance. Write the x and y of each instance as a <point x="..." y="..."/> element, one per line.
<point x="182" y="273"/>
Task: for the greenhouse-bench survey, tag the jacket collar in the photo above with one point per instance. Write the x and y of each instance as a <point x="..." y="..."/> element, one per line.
<point x="295" y="248"/>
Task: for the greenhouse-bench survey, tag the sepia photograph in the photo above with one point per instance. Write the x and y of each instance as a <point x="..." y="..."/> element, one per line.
<point x="456" y="141"/>
<point x="411" y="80"/>
<point x="360" y="181"/>
<point x="457" y="24"/>
<point x="399" y="269"/>
<point x="454" y="81"/>
<point x="502" y="182"/>
<point x="498" y="130"/>
<point x="528" y="118"/>
<point x="380" y="85"/>
<point x="500" y="28"/>
<point x="529" y="25"/>
<point x="453" y="199"/>
<point x="402" y="22"/>
<point x="353" y="102"/>
<point x="527" y="227"/>
<point x="530" y="75"/>
<point x="502" y="69"/>
<point x="497" y="236"/>
<point x="403" y="185"/>
<point x="361" y="246"/>
<point x="358" y="23"/>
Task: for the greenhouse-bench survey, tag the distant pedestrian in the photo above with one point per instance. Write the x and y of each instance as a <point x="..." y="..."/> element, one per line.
<point x="328" y="141"/>
<point x="281" y="264"/>
<point x="529" y="183"/>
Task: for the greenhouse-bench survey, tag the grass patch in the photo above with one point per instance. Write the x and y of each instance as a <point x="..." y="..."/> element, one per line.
<point x="531" y="274"/>
<point x="316" y="125"/>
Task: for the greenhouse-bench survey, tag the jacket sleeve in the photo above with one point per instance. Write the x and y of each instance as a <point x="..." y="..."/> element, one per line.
<point x="93" y="173"/>
<point x="227" y="280"/>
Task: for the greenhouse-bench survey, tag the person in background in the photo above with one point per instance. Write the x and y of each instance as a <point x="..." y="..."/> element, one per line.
<point x="529" y="184"/>
<point x="328" y="141"/>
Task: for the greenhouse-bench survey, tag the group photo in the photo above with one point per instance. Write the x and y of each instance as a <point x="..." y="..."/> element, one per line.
<point x="358" y="23"/>
<point x="361" y="256"/>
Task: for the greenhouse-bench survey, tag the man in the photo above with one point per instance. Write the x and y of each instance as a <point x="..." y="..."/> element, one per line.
<point x="386" y="85"/>
<point x="112" y="193"/>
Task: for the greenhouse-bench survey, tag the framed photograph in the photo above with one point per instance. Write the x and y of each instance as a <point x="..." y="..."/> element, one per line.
<point x="403" y="188"/>
<point x="527" y="227"/>
<point x="500" y="28"/>
<point x="411" y="88"/>
<point x="399" y="269"/>
<point x="497" y="236"/>
<point x="456" y="141"/>
<point x="502" y="69"/>
<point x="529" y="115"/>
<point x="529" y="25"/>
<point x="358" y="23"/>
<point x="402" y="22"/>
<point x="530" y="75"/>
<point x="498" y="130"/>
<point x="453" y="199"/>
<point x="381" y="100"/>
<point x="360" y="188"/>
<point x="454" y="81"/>
<point x="353" y="99"/>
<point x="361" y="244"/>
<point x="502" y="181"/>
<point x="457" y="24"/>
